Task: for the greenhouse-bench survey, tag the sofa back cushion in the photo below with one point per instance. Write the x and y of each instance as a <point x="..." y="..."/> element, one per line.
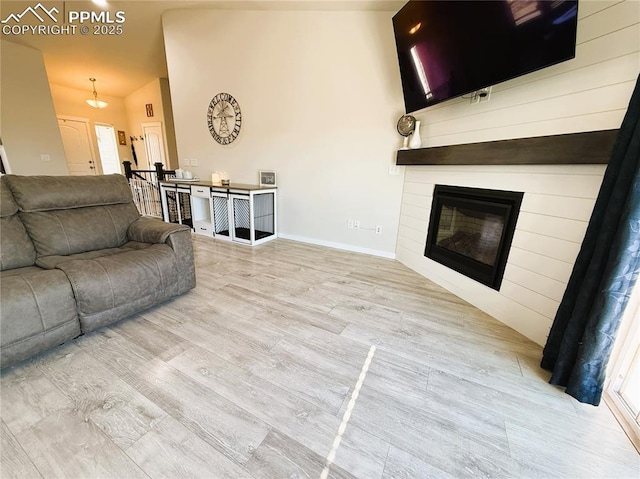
<point x="8" y="207"/>
<point x="73" y="214"/>
<point x="16" y="249"/>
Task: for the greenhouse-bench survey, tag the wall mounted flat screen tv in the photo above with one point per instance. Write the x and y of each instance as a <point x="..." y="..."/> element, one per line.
<point x="449" y="48"/>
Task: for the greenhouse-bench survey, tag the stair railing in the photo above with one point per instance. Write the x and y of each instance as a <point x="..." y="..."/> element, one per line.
<point x="145" y="187"/>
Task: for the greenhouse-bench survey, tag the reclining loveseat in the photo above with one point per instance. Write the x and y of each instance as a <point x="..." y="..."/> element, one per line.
<point x="75" y="255"/>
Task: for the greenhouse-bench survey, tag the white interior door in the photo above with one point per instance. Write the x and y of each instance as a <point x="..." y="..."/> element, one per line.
<point x="77" y="146"/>
<point x="154" y="143"/>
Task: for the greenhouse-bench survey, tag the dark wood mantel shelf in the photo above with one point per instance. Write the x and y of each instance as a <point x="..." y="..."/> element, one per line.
<point x="593" y="147"/>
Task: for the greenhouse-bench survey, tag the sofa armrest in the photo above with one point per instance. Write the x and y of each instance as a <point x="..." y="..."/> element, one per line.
<point x="178" y="237"/>
<point x="152" y="230"/>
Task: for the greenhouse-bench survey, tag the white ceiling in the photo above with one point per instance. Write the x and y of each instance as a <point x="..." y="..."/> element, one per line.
<point x="123" y="63"/>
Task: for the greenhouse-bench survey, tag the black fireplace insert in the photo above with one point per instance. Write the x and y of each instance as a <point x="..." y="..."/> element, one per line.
<point x="470" y="231"/>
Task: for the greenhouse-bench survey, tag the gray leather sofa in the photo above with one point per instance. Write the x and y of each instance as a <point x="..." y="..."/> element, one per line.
<point x="76" y="255"/>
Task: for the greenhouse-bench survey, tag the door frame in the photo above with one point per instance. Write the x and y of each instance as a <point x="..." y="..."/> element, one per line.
<point x="5" y="160"/>
<point x="623" y="354"/>
<point x="92" y="146"/>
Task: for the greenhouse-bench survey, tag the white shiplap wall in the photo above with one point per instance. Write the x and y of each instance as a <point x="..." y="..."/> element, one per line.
<point x="590" y="92"/>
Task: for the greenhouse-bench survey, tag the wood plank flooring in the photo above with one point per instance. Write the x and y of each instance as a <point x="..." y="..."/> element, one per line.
<point x="250" y="374"/>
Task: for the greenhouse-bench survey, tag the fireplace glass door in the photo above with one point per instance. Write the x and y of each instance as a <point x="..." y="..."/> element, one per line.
<point x="471" y="229"/>
<point x="474" y="233"/>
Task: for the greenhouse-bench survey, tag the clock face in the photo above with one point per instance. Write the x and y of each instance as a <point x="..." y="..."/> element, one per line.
<point x="224" y="118"/>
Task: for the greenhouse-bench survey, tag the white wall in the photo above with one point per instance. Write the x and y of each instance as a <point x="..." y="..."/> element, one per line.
<point x="320" y="96"/>
<point x="588" y="93"/>
<point x="28" y="119"/>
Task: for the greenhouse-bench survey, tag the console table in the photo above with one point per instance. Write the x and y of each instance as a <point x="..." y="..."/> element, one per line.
<point x="237" y="212"/>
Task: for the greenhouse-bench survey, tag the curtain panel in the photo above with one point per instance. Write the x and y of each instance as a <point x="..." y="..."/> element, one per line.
<point x="584" y="329"/>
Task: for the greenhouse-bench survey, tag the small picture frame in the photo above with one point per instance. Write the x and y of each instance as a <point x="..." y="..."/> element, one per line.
<point x="122" y="139"/>
<point x="268" y="178"/>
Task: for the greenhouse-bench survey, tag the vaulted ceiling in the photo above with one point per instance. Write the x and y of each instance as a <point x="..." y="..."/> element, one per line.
<point x="124" y="62"/>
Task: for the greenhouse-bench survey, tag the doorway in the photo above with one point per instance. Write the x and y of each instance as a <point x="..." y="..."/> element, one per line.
<point x="108" y="149"/>
<point x="76" y="141"/>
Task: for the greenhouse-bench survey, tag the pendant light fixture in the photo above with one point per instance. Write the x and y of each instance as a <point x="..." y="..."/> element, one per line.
<point x="94" y="102"/>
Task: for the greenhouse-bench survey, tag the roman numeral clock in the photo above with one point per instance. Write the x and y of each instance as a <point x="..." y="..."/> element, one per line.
<point x="224" y="118"/>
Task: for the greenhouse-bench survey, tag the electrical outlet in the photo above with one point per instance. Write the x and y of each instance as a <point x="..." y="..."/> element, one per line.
<point x="356" y="224"/>
<point x="45" y="157"/>
<point x="194" y="162"/>
<point x="378" y="229"/>
<point x="350" y="224"/>
<point x="394" y="170"/>
<point x="485" y="94"/>
<point x="480" y="96"/>
<point x="185" y="162"/>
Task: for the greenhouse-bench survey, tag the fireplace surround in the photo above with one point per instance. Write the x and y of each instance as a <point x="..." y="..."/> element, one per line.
<point x="471" y="229"/>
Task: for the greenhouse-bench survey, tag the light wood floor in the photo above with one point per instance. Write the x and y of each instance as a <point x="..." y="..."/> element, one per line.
<point x="250" y="375"/>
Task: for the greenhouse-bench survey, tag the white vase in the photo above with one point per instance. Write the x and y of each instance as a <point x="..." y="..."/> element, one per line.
<point x="415" y="141"/>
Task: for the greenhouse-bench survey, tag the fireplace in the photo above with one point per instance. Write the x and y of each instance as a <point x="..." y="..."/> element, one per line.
<point x="470" y="231"/>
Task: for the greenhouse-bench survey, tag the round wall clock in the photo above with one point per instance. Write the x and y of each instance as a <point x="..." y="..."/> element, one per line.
<point x="224" y="118"/>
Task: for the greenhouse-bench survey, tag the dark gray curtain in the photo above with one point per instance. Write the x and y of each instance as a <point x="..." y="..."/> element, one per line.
<point x="583" y="332"/>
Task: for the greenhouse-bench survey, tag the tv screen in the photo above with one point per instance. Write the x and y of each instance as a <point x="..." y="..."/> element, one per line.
<point x="449" y="48"/>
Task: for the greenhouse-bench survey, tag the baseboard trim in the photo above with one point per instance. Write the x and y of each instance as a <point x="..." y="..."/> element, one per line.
<point x="341" y="246"/>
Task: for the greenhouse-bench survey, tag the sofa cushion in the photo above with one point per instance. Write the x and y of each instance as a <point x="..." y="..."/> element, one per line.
<point x="51" y="262"/>
<point x="65" y="215"/>
<point x="16" y="249"/>
<point x="113" y="287"/>
<point x="46" y="193"/>
<point x="38" y="312"/>
<point x="18" y="271"/>
<point x="8" y="206"/>
<point x="65" y="232"/>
